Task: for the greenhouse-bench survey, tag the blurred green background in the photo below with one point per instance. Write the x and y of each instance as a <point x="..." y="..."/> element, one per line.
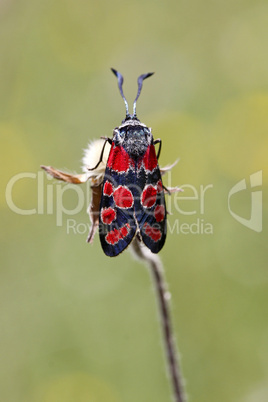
<point x="76" y="325"/>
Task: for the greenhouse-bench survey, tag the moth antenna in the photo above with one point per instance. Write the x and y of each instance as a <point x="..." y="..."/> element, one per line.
<point x="120" y="80"/>
<point x="140" y="82"/>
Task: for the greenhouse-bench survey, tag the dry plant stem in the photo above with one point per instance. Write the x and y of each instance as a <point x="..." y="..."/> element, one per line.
<point x="154" y="263"/>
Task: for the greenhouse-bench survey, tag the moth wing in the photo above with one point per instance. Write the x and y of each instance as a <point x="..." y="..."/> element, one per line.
<point x="150" y="207"/>
<point x="117" y="225"/>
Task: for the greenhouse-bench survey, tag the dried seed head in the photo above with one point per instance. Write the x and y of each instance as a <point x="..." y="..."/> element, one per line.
<point x="91" y="158"/>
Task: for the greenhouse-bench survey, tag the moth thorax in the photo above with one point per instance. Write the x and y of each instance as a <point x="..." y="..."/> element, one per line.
<point x="136" y="141"/>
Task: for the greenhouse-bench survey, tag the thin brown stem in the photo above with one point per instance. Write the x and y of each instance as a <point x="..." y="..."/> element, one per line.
<point x="154" y="263"/>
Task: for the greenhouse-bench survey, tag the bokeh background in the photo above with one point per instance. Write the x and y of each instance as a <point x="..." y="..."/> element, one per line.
<point x="76" y="325"/>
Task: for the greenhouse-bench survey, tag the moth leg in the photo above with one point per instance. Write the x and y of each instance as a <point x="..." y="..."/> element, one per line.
<point x="158" y="141"/>
<point x="166" y="189"/>
<point x="107" y="139"/>
<point x="102" y="152"/>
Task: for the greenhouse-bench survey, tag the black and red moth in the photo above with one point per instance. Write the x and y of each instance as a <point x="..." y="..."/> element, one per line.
<point x="128" y="198"/>
<point x="132" y="201"/>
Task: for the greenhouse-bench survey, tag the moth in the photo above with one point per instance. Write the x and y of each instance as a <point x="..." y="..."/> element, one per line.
<point x="132" y="201"/>
<point x="128" y="196"/>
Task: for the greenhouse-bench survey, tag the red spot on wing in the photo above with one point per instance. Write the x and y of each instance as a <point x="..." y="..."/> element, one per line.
<point x="119" y="159"/>
<point x="159" y="186"/>
<point x="148" y="196"/>
<point x="117" y="234"/>
<point x="107" y="188"/>
<point x="159" y="213"/>
<point x="153" y="232"/>
<point x="124" y="230"/>
<point x="150" y="159"/>
<point x="108" y="215"/>
<point x="112" y="237"/>
<point x="123" y="197"/>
